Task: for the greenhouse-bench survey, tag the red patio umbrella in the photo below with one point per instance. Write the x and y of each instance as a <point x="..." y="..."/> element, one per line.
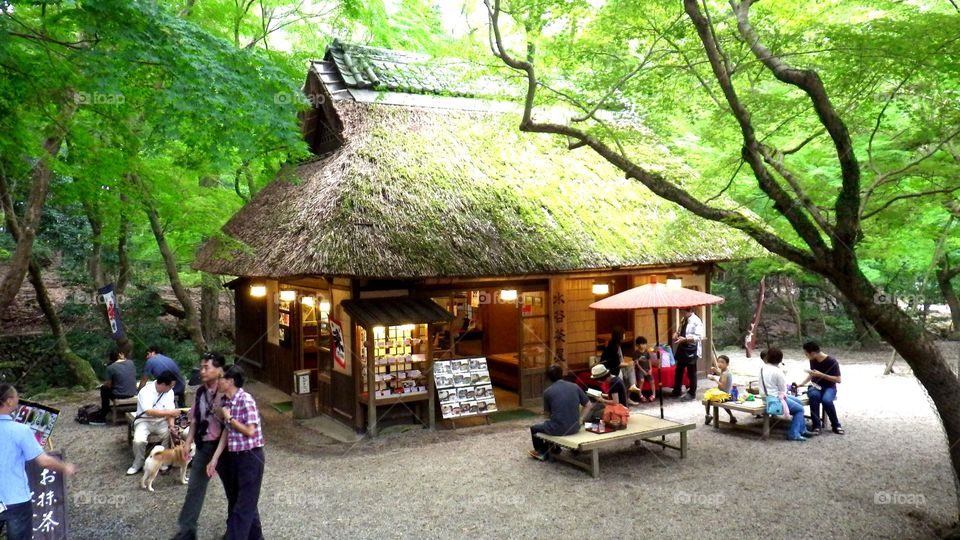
<point x="656" y="296"/>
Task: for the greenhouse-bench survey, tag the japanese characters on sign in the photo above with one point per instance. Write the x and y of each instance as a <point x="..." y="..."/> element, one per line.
<point x="49" y="494"/>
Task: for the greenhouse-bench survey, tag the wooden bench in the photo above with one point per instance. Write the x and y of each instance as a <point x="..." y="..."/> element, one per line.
<point x="121" y="405"/>
<point x="152" y="439"/>
<point x="504" y="370"/>
<point x="757" y="407"/>
<point x="642" y="427"/>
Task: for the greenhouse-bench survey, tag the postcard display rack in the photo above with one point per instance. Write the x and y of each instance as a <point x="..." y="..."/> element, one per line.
<point x="399" y="374"/>
<point x="464" y="388"/>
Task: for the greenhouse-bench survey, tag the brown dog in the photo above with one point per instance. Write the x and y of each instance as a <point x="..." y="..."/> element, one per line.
<point x="160" y="457"/>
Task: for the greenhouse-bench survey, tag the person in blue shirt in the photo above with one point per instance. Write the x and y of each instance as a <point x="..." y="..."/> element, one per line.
<point x="156" y="364"/>
<point x="18" y="445"/>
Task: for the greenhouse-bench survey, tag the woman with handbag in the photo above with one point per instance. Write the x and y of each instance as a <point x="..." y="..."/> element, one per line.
<point x="773" y="386"/>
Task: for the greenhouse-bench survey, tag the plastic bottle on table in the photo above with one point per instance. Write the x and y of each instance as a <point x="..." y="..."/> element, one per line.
<point x="601" y="427"/>
<point x="734" y="393"/>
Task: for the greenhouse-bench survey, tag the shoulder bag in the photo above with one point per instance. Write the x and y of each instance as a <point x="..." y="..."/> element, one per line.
<point x="773" y="404"/>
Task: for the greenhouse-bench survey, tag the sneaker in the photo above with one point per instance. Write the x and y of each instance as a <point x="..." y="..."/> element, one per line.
<point x="798" y="438"/>
<point x="733" y="420"/>
<point x="707" y="419"/>
<point x="133" y="470"/>
<point x="633" y="388"/>
<point x="632" y="402"/>
<point x="537" y="455"/>
<point x="838" y="430"/>
<point x="687" y="397"/>
<point x="97" y="422"/>
<point x="808" y="434"/>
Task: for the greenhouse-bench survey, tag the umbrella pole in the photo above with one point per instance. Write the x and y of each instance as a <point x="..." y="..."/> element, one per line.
<point x="656" y="349"/>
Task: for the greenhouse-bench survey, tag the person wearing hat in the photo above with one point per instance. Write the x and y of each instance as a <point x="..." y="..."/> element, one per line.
<point x="566" y="405"/>
<point x="615" y="392"/>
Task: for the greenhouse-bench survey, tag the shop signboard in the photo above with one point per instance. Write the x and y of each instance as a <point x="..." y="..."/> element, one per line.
<point x="464" y="387"/>
<point x="40" y="418"/>
<point x="49" y="493"/>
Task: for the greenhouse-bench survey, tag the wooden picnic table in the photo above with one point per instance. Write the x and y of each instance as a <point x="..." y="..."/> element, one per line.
<point x="757" y="407"/>
<point x="641" y="427"/>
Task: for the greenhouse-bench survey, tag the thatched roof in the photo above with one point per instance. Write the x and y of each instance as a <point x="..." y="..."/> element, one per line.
<point x="419" y="192"/>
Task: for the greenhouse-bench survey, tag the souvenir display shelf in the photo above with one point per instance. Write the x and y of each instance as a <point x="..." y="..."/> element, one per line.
<point x="400" y="371"/>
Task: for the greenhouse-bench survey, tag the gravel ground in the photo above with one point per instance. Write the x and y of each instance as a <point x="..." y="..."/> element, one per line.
<point x="888" y="477"/>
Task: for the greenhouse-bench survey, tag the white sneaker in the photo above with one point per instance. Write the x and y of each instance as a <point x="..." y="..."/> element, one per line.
<point x="133" y="470"/>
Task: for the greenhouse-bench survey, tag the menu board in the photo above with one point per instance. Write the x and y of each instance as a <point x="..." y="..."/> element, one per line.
<point x="49" y="495"/>
<point x="463" y="387"/>
<point x="40" y="418"/>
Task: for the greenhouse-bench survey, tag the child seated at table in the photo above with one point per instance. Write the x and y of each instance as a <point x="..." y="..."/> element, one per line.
<point x="724" y="379"/>
<point x="641" y="365"/>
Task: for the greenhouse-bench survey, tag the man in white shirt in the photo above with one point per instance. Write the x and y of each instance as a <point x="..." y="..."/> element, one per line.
<point x="156" y="413"/>
<point x="687" y="350"/>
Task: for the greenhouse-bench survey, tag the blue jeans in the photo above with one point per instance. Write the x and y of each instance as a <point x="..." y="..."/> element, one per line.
<point x="796" y="417"/>
<point x="19" y="520"/>
<point x="826" y="397"/>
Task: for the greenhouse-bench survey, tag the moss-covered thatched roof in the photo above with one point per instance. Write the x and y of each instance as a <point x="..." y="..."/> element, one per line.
<point x="416" y="193"/>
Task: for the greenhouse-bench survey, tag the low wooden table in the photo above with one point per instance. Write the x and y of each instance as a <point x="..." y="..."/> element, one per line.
<point x="642" y="427"/>
<point x="757" y="407"/>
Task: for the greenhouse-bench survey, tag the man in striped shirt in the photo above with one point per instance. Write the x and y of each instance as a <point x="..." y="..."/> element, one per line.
<point x="239" y="457"/>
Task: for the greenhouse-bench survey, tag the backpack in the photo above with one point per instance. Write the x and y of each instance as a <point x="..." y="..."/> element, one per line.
<point x="86" y="413"/>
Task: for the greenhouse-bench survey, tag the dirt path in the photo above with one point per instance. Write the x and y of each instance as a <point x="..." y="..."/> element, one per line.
<point x="888" y="477"/>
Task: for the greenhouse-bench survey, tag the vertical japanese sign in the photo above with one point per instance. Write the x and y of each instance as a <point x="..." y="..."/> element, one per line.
<point x="113" y="310"/>
<point x="336" y="342"/>
<point x="49" y="495"/>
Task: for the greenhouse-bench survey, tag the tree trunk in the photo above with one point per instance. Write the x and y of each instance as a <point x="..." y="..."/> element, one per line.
<point x="20" y="261"/>
<point x="95" y="267"/>
<point x="866" y="335"/>
<point x="944" y="275"/>
<point x="80" y="368"/>
<point x="210" y="306"/>
<point x="170" y="264"/>
<point x="919" y="351"/>
<point x="123" y="270"/>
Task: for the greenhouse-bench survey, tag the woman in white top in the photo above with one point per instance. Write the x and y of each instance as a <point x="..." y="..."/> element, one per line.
<point x="773" y="383"/>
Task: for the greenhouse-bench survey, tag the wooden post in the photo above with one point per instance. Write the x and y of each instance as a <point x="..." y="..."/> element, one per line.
<point x="428" y="373"/>
<point x="371" y="394"/>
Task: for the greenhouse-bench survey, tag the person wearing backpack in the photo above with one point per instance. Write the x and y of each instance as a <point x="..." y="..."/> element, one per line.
<point x="205" y="429"/>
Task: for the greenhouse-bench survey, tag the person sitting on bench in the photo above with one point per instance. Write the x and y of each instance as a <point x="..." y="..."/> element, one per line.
<point x="121" y="383"/>
<point x="156" y="413"/>
<point x="567" y="406"/>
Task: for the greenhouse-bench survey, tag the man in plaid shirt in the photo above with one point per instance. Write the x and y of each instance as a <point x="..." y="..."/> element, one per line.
<point x="239" y="458"/>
